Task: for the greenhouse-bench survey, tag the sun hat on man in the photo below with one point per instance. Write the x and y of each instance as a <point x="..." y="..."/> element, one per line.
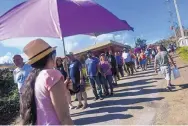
<point x="37" y="49"/>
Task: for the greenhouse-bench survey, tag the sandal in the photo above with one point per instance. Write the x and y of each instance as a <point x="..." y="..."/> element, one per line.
<point x="168" y="88"/>
<point x="79" y="106"/>
<point x="84" y="106"/>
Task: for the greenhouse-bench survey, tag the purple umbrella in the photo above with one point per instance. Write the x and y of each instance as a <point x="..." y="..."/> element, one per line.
<point x="58" y="19"/>
<point x="129" y="28"/>
<point x="137" y="50"/>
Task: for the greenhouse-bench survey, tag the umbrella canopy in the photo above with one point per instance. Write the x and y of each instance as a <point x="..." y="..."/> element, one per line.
<point x="137" y="50"/>
<point x="58" y="18"/>
<point x="125" y="22"/>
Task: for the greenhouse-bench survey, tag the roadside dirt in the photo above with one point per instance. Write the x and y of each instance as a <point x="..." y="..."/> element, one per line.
<point x="174" y="110"/>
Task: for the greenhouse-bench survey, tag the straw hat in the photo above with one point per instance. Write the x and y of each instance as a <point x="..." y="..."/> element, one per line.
<point x="36" y="50"/>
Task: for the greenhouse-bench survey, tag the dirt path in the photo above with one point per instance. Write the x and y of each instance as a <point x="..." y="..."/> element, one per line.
<point x="139" y="100"/>
<point x="173" y="109"/>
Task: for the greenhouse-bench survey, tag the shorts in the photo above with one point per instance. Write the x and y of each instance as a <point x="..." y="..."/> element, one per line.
<point x="75" y="86"/>
<point x="143" y="62"/>
<point x="166" y="72"/>
<point x="82" y="87"/>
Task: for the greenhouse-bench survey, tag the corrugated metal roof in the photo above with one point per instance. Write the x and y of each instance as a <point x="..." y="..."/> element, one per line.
<point x="98" y="45"/>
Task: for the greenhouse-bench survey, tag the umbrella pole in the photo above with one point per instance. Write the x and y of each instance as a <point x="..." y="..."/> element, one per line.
<point x="64" y="50"/>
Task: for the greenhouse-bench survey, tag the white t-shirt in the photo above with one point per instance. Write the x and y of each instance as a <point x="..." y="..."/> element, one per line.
<point x="126" y="57"/>
<point x="20" y="75"/>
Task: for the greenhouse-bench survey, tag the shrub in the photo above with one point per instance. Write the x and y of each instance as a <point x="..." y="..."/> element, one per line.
<point x="9" y="100"/>
<point x="183" y="52"/>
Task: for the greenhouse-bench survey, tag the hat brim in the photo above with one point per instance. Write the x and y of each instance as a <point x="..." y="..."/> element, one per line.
<point x="41" y="55"/>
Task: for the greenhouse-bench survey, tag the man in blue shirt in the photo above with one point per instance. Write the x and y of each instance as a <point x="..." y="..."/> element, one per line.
<point x="76" y="76"/>
<point x="148" y="54"/>
<point x="119" y="61"/>
<point x="92" y="68"/>
<point x="21" y="73"/>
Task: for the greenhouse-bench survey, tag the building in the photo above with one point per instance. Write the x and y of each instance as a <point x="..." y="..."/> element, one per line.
<point x="178" y="32"/>
<point x="99" y="48"/>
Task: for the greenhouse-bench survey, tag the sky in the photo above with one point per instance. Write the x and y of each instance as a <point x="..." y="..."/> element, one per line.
<point x="150" y="19"/>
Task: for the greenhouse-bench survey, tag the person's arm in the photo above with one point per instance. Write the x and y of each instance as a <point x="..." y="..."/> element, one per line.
<point x="99" y="69"/>
<point x="60" y="102"/>
<point x="81" y="73"/>
<point x="155" y="65"/>
<point x="87" y="74"/>
<point x="108" y="69"/>
<point x="14" y="77"/>
<point x="98" y="66"/>
<point x="172" y="61"/>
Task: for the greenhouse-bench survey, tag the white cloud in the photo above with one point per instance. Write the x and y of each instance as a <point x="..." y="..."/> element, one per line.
<point x="20" y="43"/>
<point x="6" y="58"/>
<point x="71" y="46"/>
<point x="105" y="37"/>
<point x="25" y="58"/>
<point x="93" y="38"/>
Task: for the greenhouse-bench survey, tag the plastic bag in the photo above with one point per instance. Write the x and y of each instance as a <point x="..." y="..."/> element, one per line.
<point x="175" y="73"/>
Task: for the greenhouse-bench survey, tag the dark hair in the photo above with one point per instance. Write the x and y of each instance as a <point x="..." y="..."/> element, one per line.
<point x="57" y="63"/>
<point x="89" y="52"/>
<point x="28" y="105"/>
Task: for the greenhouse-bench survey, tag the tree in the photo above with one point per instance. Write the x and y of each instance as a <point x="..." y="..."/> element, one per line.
<point x="165" y="42"/>
<point x="140" y="42"/>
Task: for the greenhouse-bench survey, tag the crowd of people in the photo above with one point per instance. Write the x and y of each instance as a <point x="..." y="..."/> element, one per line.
<point x="46" y="83"/>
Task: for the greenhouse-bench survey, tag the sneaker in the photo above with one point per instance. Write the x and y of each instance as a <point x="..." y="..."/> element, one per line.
<point x="95" y="99"/>
<point x="79" y="106"/>
<point x="101" y="98"/>
<point x="171" y="85"/>
<point x="111" y="94"/>
<point x="168" y="88"/>
<point x="72" y="107"/>
<point x="84" y="106"/>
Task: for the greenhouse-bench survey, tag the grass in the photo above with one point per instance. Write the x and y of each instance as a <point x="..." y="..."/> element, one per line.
<point x="183" y="53"/>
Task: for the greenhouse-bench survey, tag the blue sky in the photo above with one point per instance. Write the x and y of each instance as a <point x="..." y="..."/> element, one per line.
<point x="148" y="17"/>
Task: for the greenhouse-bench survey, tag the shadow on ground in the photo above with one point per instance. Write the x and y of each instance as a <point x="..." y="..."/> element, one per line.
<point x="183" y="67"/>
<point x="123" y="102"/>
<point x="135" y="88"/>
<point x="97" y="119"/>
<point x="138" y="82"/>
<point x="107" y="109"/>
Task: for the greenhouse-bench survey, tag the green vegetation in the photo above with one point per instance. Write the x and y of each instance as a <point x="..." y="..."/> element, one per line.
<point x="9" y="99"/>
<point x="140" y="42"/>
<point x="183" y="52"/>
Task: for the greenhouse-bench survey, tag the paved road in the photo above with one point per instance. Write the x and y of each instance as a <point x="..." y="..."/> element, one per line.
<point x="134" y="102"/>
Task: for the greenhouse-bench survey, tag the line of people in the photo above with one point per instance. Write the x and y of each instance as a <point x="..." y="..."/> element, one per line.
<point x="46" y="83"/>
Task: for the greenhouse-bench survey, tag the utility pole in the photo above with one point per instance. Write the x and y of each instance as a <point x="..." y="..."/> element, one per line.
<point x="179" y="20"/>
<point x="171" y="20"/>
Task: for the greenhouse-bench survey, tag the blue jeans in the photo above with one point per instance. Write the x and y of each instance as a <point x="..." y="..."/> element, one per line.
<point x="108" y="81"/>
<point x="96" y="86"/>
